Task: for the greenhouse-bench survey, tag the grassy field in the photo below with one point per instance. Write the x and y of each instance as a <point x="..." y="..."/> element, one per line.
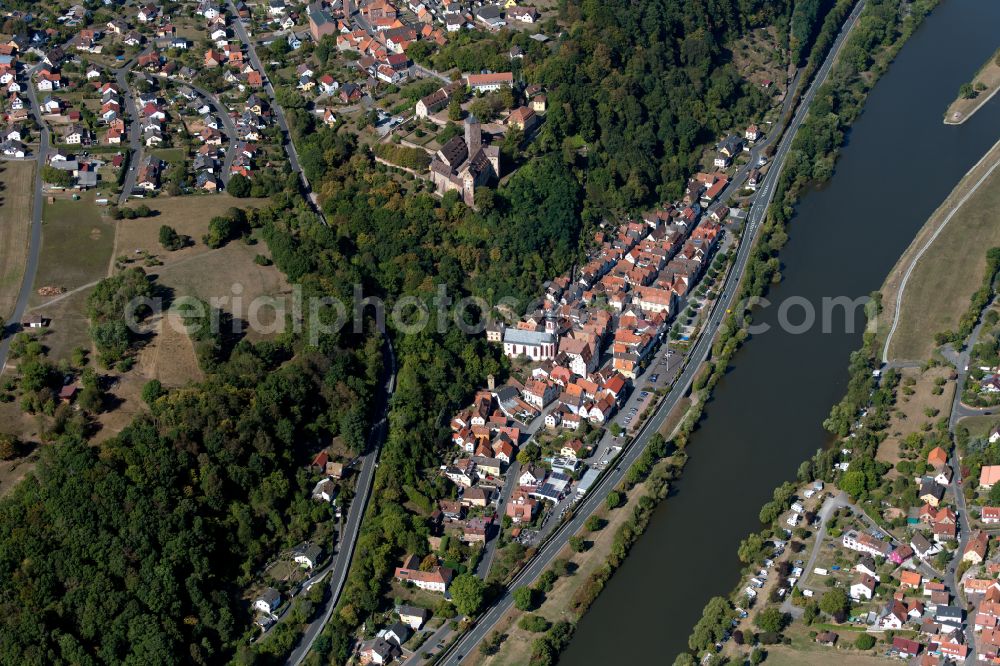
<point x="821" y="656"/>
<point x="949" y="271"/>
<point x="980" y="426"/>
<point x="15" y="228"/>
<point x="77" y="242"/>
<point x="197" y="271"/>
<point x="988" y="75"/>
<point x="77" y="246"/>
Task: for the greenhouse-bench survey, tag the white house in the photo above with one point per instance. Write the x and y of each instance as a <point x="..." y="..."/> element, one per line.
<point x="307" y="556"/>
<point x="268" y="601"/>
<point x="413" y="616"/>
<point x="895" y="616"/>
<point x="866" y="543"/>
<point x="990" y="515"/>
<point x="863" y="587"/>
<point x="435" y="580"/>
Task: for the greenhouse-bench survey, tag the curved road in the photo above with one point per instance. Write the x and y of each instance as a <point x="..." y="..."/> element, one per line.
<point x="487" y="621"/>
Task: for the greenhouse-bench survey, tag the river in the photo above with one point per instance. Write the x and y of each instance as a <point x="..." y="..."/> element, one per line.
<point x="765" y="418"/>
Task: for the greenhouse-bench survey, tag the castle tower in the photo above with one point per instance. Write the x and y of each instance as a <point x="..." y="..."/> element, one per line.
<point x="473" y="135"/>
<point x="491" y="382"/>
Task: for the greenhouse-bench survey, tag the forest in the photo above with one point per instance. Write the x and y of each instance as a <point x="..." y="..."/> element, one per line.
<point x="135" y="552"/>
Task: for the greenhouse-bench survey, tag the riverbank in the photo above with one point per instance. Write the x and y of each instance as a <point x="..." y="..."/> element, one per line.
<point x="930" y="285"/>
<point x="581" y="575"/>
<point x="982" y="88"/>
<point x="635" y="596"/>
<point x="578" y="575"/>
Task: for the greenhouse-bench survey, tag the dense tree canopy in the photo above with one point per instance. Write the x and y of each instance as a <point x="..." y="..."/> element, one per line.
<point x="134" y="552"/>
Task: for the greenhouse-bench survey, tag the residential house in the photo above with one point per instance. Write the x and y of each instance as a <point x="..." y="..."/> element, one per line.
<point x="324" y="491"/>
<point x="531" y="476"/>
<point x="482" y="83"/>
<point x="910" y="580"/>
<point x="866" y="565"/>
<point x="989" y="475"/>
<point x="521" y="508"/>
<point x="904" y="648"/>
<point x="414" y="616"/>
<point x="931" y="491"/>
<point x="572" y="449"/>
<point x="866" y="543"/>
<point x="436" y="580"/>
<point x="432" y="103"/>
<point x="975" y="549"/>
<point x="378" y="651"/>
<point x="937" y="457"/>
<point x="307" y="556"/>
<point x="398" y="633"/>
<point x="267" y="601"/>
<point x="894" y="616"/>
<point x="863" y="587"/>
<point x="522" y="14"/>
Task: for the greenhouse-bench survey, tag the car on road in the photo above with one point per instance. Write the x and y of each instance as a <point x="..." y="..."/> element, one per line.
<point x="654" y="378"/>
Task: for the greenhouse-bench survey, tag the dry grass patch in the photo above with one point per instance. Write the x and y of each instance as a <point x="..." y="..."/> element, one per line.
<point x="780" y="655"/>
<point x="69" y="326"/>
<point x="169" y="357"/>
<point x="15" y="229"/>
<point x="910" y="413"/>
<point x="77" y="242"/>
<point x="950" y="271"/>
<point x="189" y="216"/>
<point x="675" y="417"/>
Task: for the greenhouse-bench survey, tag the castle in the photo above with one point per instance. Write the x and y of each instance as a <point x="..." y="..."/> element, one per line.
<point x="464" y="163"/>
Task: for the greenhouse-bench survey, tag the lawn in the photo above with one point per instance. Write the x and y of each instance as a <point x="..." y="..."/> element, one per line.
<point x="15" y="227"/>
<point x="950" y="271"/>
<point x="979" y="426"/>
<point x="172" y="155"/>
<point x="77" y="244"/>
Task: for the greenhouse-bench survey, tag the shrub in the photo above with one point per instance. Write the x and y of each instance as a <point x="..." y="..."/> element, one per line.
<point x="534" y="623"/>
<point x="865" y="642"/>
